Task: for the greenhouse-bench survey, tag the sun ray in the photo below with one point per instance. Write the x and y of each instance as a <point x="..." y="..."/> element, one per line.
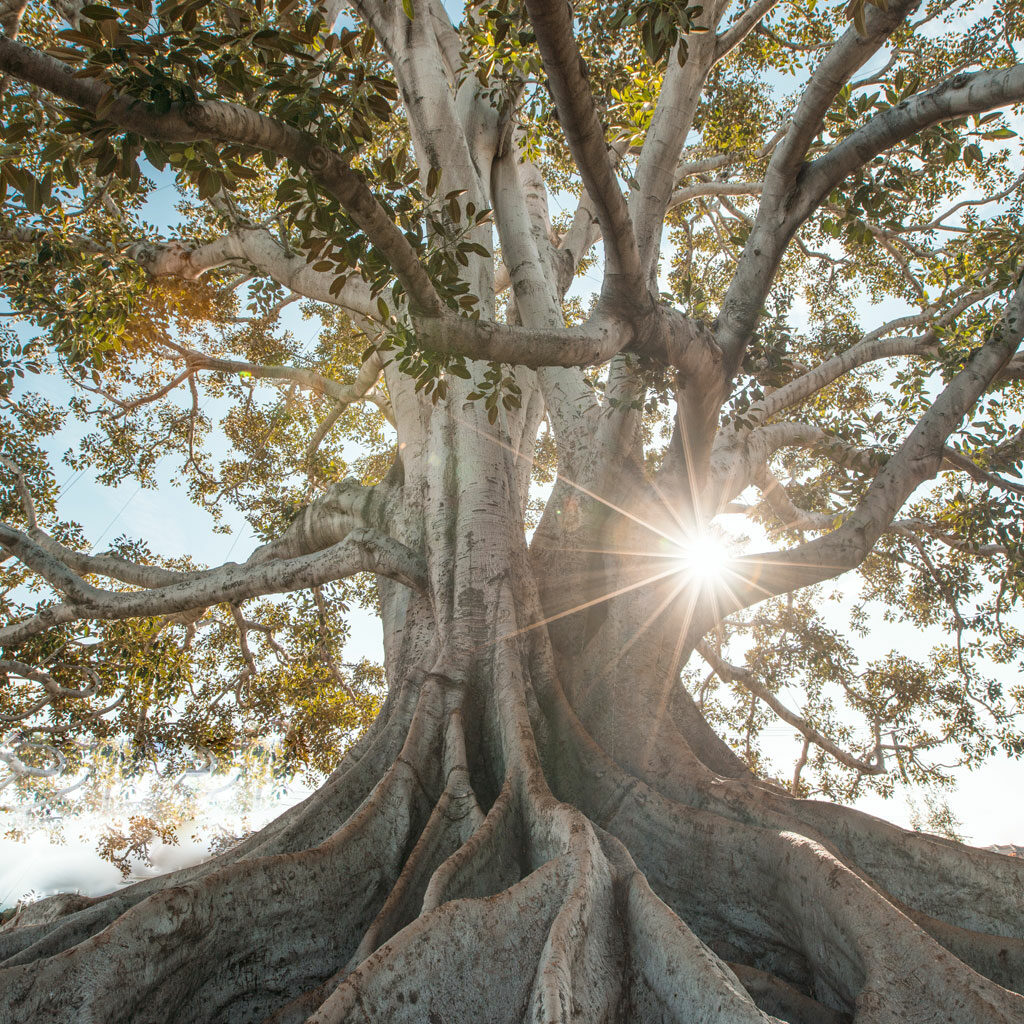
<point x="647" y="623"/>
<point x="674" y="666"/>
<point x="518" y="452"/>
<point x="583" y="606"/>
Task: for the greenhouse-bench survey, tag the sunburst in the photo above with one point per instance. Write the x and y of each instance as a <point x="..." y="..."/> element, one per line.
<point x="704" y="559"/>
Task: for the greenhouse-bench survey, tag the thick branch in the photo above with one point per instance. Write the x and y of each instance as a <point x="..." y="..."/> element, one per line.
<point x="343" y="507"/>
<point x="832" y="369"/>
<point x="1014" y="370"/>
<point x="363" y="550"/>
<point x="108" y="564"/>
<point x="437" y="328"/>
<point x="742" y="26"/>
<point x="51" y="568"/>
<point x="584" y="133"/>
<point x="776" y="223"/>
<point x="52" y="687"/>
<point x="425" y="56"/>
<point x="744" y="458"/>
<point x="850" y="53"/>
<point x="257" y="247"/>
<point x="590" y="344"/>
<point x="790" y="515"/>
<point x="673" y="117"/>
<point x="961" y="95"/>
<point x="24" y="494"/>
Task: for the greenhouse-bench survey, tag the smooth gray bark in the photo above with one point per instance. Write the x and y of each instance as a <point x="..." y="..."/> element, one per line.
<point x="540" y="825"/>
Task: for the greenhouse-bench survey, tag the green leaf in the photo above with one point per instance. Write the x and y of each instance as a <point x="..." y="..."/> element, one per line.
<point x="209" y="183"/>
<point x="99" y="12"/>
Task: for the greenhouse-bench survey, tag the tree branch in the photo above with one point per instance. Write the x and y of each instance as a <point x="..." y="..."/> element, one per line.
<point x="746" y="678"/>
<point x="425" y="53"/>
<point x="962" y="94"/>
<point x="437" y="327"/>
<point x="791" y="516"/>
<point x="958" y="460"/>
<point x="362" y="550"/>
<point x="343" y="394"/>
<point x="107" y="564"/>
<point x="24" y="494"/>
<point x="41" y="561"/>
<point x="52" y="687"/>
<point x="567" y="78"/>
<point x="257" y="247"/>
<point x="745" y="23"/>
<point x="744" y="458"/>
<point x="914" y="526"/>
<point x="229" y="122"/>
<point x="850" y="53"/>
<point x="865" y="351"/>
<point x="920" y="457"/>
<point x="776" y="223"/>
<point x="670" y="125"/>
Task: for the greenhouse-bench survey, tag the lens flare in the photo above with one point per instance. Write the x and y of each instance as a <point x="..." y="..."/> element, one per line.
<point x="704" y="559"/>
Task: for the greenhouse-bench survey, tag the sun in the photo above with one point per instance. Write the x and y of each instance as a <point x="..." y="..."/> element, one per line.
<point x="704" y="558"/>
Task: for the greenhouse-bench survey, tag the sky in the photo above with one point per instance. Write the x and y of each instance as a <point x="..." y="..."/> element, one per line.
<point x="985" y="800"/>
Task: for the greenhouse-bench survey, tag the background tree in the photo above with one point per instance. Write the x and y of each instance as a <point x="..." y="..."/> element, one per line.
<point x="805" y="225"/>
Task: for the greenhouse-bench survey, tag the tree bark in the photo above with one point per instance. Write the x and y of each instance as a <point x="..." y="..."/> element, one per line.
<point x="539" y="825"/>
<point x="535" y="830"/>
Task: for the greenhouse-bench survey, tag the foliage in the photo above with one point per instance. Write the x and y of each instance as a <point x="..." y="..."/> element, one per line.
<point x="85" y="220"/>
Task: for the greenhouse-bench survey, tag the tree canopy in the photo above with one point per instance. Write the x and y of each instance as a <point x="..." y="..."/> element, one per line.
<point x="289" y="146"/>
<point x="597" y="347"/>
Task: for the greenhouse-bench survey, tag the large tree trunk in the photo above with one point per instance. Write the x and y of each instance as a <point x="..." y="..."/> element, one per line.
<point x="538" y="826"/>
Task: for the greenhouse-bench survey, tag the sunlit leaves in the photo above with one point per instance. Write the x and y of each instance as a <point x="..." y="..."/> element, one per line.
<point x="856" y="11"/>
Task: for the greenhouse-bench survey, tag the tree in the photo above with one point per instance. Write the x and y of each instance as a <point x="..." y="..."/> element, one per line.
<point x="540" y="823"/>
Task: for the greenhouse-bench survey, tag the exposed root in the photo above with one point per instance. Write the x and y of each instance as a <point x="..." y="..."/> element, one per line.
<point x="634" y="710"/>
<point x="249" y="935"/>
<point x="823" y="926"/>
<point x="454" y="819"/>
<point x="962" y="885"/>
<point x="637" y="888"/>
<point x="671" y="975"/>
<point x="993" y="956"/>
<point x="461" y="962"/>
<point x="783" y="903"/>
<point x="491" y="859"/>
<point x="776" y="997"/>
<point x="954" y="885"/>
<point x="577" y="975"/>
<point x="456" y="816"/>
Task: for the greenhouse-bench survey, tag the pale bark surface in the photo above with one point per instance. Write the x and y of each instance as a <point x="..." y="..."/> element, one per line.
<point x="540" y="825"/>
